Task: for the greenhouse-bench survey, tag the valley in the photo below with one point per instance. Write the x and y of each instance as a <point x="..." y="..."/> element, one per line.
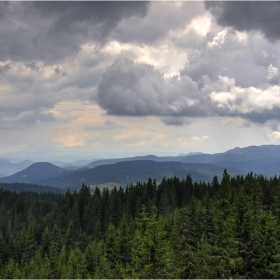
<point x="124" y="171"/>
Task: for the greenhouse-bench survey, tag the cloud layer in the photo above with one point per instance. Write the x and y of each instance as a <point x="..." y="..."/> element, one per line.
<point x="260" y="16"/>
<point x="129" y="89"/>
<point x="133" y="89"/>
<point x="51" y="31"/>
<point x="165" y="72"/>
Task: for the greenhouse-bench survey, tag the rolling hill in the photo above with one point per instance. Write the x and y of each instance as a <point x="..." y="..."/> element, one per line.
<point x="124" y="173"/>
<point x="249" y="156"/>
<point x="37" y="171"/>
<point x="251" y="153"/>
<point x="116" y="160"/>
<point x="8" y="167"/>
<point x="257" y="159"/>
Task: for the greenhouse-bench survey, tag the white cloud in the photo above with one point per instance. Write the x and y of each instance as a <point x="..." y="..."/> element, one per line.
<point x="272" y="72"/>
<point x="72" y="140"/>
<point x="275" y="136"/>
<point x="155" y="140"/>
<point x="192" y="141"/>
<point x="130" y="134"/>
<point x="246" y="100"/>
<point x="219" y="39"/>
<point x="243" y="56"/>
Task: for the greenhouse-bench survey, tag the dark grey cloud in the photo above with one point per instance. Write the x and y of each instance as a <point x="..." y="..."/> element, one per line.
<point x="3" y="8"/>
<point x="139" y="89"/>
<point x="162" y="17"/>
<point x="260" y="16"/>
<point x="264" y="116"/>
<point x="33" y="116"/>
<point x="129" y="89"/>
<point x="27" y="93"/>
<point x="250" y="60"/>
<point x="73" y="17"/>
<point x="253" y="117"/>
<point x="25" y="119"/>
<point x="176" y="121"/>
<point x="109" y="123"/>
<point x="4" y="68"/>
<point x="54" y="30"/>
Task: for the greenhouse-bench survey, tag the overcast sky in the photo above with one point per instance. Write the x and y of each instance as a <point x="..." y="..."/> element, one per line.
<point x="105" y="79"/>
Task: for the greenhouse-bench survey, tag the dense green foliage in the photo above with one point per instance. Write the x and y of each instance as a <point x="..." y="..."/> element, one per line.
<point x="20" y="187"/>
<point x="175" y="229"/>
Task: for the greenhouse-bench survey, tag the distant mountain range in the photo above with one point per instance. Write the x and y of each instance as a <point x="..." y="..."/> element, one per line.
<point x="35" y="172"/>
<point x="123" y="171"/>
<point x="8" y="167"/>
<point x="77" y="164"/>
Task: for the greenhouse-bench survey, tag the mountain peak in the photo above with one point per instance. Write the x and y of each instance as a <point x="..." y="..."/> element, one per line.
<point x="36" y="171"/>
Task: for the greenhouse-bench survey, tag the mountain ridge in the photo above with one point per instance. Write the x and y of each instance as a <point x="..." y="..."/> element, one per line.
<point x="34" y="172"/>
<point x="8" y="167"/>
<point x="263" y="159"/>
<point x="124" y="173"/>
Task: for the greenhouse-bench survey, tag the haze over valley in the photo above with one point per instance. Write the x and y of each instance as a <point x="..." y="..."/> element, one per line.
<point x="263" y="160"/>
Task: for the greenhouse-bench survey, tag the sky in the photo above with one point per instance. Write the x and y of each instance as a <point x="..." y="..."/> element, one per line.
<point x="111" y="79"/>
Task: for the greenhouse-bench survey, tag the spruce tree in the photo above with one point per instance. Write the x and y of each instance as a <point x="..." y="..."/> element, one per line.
<point x="152" y="254"/>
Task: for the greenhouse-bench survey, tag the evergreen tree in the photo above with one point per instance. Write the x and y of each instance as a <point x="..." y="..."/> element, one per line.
<point x="152" y="254"/>
<point x="266" y="247"/>
<point x="3" y="250"/>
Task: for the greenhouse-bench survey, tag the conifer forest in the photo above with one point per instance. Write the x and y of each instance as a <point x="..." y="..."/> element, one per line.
<point x="169" y="229"/>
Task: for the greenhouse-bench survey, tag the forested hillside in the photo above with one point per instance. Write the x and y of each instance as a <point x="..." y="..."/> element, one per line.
<point x="121" y="173"/>
<point x="175" y="229"/>
<point x="20" y="187"/>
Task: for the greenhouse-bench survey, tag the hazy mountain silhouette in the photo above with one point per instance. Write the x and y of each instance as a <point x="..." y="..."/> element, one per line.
<point x="37" y="171"/>
<point x="8" y="167"/>
<point x="124" y="173"/>
<point x="257" y="159"/>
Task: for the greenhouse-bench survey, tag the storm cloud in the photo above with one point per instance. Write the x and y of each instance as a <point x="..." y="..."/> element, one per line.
<point x="150" y="31"/>
<point x="51" y="31"/>
<point x="41" y="53"/>
<point x="176" y="121"/>
<point x="251" y="60"/>
<point x="129" y="89"/>
<point x="86" y="73"/>
<point x="260" y="16"/>
<point x="133" y="89"/>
